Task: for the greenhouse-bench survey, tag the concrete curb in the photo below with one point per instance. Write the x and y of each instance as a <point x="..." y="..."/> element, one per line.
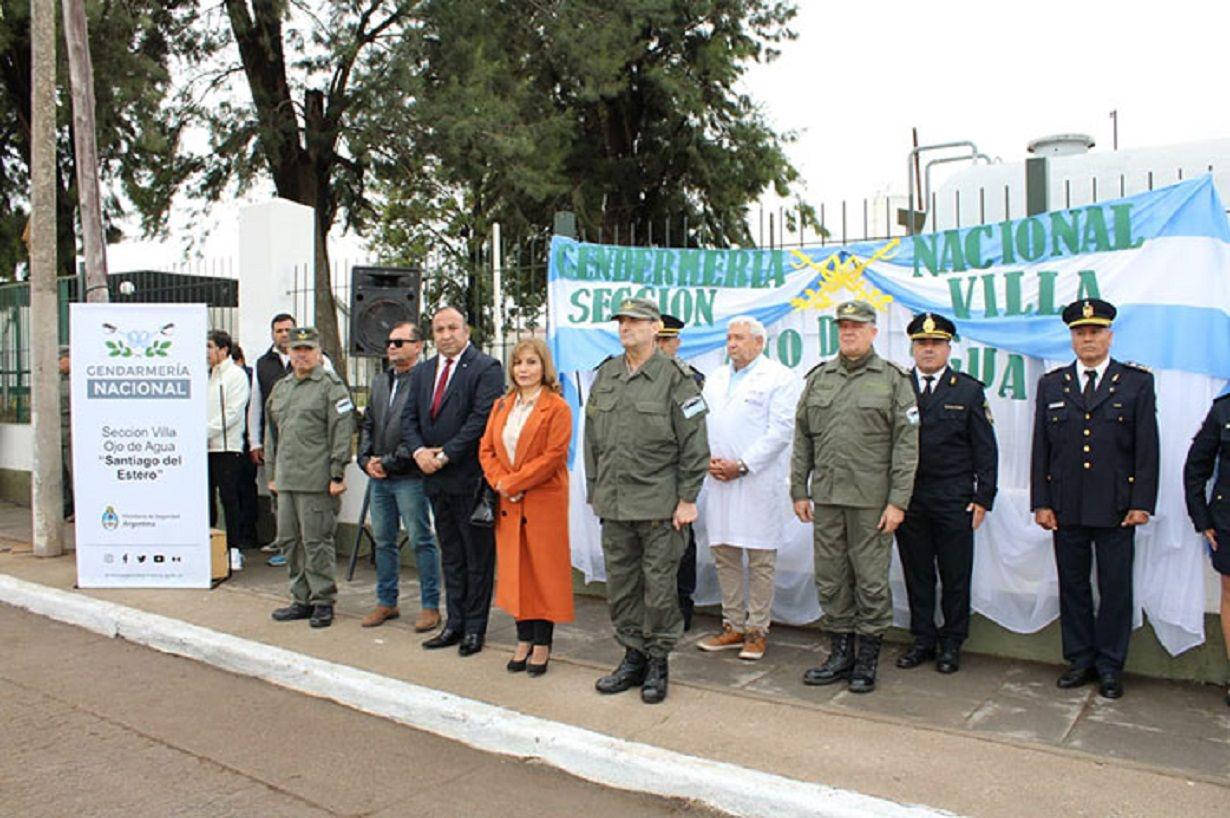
<point x="605" y="760"/>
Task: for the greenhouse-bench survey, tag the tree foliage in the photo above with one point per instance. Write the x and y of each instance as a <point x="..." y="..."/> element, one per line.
<point x="626" y="112"/>
<point x="133" y="45"/>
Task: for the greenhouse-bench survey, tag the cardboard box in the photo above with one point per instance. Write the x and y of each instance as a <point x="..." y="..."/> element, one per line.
<point x="219" y="559"/>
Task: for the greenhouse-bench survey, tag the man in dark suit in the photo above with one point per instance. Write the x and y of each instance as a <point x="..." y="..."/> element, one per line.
<point x="445" y="415"/>
<point x="954" y="488"/>
<point x="395" y="488"/>
<point x="1094" y="477"/>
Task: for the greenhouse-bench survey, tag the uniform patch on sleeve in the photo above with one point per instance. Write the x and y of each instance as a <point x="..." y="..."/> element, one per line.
<point x="911" y="416"/>
<point x="693" y="407"/>
<point x="343" y="405"/>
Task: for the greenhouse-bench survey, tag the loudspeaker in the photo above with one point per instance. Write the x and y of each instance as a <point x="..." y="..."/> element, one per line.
<point x="379" y="298"/>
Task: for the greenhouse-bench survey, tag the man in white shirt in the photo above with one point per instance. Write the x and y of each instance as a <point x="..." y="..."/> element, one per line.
<point x="745" y="503"/>
<point x="226" y="401"/>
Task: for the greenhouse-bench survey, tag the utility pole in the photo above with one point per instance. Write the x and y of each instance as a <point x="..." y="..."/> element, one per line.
<point x="45" y="485"/>
<point x="81" y="74"/>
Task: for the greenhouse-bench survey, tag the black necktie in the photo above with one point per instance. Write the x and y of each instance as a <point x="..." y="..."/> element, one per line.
<point x="927" y="388"/>
<point x="1090" y="376"/>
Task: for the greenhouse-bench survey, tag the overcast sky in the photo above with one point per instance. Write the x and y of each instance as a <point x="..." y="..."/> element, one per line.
<point x="860" y="75"/>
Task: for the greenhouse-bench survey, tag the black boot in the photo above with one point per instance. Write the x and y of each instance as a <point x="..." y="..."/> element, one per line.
<point x="630" y="673"/>
<point x="863" y="679"/>
<point x="654" y="688"/>
<point x="837" y="666"/>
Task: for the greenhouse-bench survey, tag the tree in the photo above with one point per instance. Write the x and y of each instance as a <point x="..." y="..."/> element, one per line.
<point x="626" y="112"/>
<point x="133" y="44"/>
<point x="304" y="121"/>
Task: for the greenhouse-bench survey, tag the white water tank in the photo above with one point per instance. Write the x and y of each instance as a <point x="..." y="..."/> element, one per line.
<point x="1061" y="144"/>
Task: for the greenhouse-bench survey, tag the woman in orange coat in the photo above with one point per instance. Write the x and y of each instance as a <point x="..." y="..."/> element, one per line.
<point x="524" y="454"/>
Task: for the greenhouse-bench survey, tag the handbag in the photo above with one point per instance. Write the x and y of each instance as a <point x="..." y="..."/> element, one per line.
<point x="485" y="500"/>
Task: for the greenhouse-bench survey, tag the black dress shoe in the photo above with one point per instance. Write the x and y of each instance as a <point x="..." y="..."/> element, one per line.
<point x="471" y="644"/>
<point x="518" y="665"/>
<point x="322" y="616"/>
<point x="444" y="639"/>
<point x="630" y="673"/>
<point x="653" y="690"/>
<point x="1076" y="676"/>
<point x="916" y="655"/>
<point x="296" y="610"/>
<point x="949" y="660"/>
<point x="1110" y="686"/>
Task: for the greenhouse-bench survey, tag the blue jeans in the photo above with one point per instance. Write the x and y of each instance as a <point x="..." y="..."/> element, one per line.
<point x="397" y="500"/>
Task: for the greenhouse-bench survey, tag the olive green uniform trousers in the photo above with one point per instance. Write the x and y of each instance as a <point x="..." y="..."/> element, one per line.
<point x="307" y="521"/>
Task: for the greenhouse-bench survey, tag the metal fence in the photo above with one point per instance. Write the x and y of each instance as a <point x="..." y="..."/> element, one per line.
<point x="522" y="266"/>
<point x="220" y="295"/>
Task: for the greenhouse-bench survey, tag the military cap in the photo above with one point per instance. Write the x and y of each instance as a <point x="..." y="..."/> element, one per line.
<point x="1089" y="312"/>
<point x="304" y="337"/>
<point x="859" y="311"/>
<point x="671" y="326"/>
<point x="641" y="308"/>
<point x="930" y="325"/>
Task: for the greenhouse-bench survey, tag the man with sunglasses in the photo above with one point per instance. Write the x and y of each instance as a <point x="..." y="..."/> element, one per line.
<point x="396" y="486"/>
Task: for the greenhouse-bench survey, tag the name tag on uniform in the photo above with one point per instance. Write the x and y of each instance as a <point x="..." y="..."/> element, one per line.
<point x="343" y="405"/>
<point x="693" y="407"/>
<point x="953" y="406"/>
<point x="1056" y="405"/>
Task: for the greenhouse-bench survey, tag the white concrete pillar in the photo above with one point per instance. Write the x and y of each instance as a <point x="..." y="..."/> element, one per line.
<point x="275" y="239"/>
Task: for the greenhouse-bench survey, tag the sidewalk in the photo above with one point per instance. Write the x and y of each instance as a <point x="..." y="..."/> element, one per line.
<point x="998" y="738"/>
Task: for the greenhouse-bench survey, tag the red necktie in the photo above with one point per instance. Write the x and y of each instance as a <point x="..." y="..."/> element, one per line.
<point x="440" y="385"/>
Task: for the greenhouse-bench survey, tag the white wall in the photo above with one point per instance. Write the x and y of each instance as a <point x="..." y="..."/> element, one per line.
<point x="17" y="446"/>
<point x="275" y="238"/>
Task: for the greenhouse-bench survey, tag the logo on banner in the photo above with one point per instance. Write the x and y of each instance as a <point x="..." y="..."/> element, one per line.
<point x="110" y="520"/>
<point x="138" y="343"/>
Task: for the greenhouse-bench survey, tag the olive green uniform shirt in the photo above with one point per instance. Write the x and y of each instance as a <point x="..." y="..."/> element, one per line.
<point x="855" y="435"/>
<point x="646" y="446"/>
<point x="307" y="434"/>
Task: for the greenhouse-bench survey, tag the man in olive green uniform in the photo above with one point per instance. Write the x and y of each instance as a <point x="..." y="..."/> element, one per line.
<point x="307" y="446"/>
<point x="646" y="456"/>
<point x="851" y="476"/>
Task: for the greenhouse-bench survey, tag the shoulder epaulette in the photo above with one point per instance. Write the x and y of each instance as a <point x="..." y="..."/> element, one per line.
<point x="1140" y="367"/>
<point x="1057" y="370"/>
<point x="813" y="370"/>
<point x="333" y="376"/>
<point x="964" y="376"/>
<point x="1221" y="398"/>
<point x="603" y="361"/>
<point x="681" y="365"/>
<point x="904" y="370"/>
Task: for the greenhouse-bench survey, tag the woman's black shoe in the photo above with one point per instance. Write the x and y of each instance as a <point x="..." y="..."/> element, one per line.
<point x="517" y="665"/>
<point x="537" y="670"/>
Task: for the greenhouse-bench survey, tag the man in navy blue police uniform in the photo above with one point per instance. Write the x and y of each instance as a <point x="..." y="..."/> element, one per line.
<point x="1094" y="479"/>
<point x="954" y="488"/>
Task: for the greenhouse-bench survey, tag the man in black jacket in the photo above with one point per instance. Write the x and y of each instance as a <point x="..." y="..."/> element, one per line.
<point x="443" y="419"/>
<point x="954" y="488"/>
<point x="1093" y="479"/>
<point x="396" y="486"/>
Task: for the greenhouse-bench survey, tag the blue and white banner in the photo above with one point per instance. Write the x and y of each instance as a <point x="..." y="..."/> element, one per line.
<point x="1163" y="258"/>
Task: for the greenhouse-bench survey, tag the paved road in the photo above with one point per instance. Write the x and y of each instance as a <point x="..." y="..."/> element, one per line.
<point x="91" y="726"/>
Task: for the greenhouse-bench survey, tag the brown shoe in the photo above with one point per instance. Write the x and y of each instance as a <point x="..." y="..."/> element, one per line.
<point x="379" y="615"/>
<point x="429" y="620"/>
<point x="753" y="645"/>
<point x="728" y="639"/>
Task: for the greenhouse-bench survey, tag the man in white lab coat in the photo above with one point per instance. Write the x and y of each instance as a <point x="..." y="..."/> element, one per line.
<point x="745" y="502"/>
